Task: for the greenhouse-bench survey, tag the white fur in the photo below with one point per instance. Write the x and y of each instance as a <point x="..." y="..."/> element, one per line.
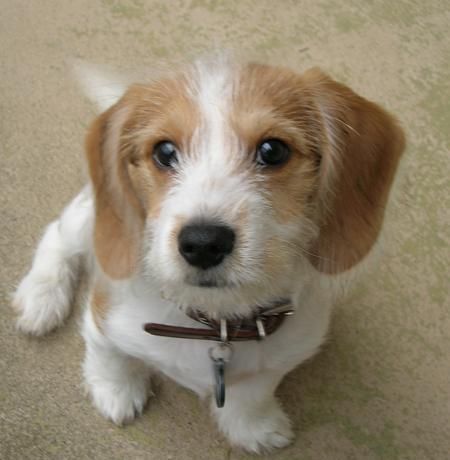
<point x="118" y="383"/>
<point x="119" y="356"/>
<point x="44" y="295"/>
<point x="103" y="88"/>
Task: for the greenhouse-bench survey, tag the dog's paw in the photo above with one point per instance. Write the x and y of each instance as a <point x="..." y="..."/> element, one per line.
<point x="120" y="403"/>
<point x="260" y="431"/>
<point x="42" y="302"/>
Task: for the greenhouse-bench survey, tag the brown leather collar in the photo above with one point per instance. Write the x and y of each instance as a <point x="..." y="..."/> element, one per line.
<point x="263" y="322"/>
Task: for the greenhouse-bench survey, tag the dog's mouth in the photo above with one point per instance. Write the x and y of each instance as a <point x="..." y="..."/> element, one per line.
<point x="208" y="282"/>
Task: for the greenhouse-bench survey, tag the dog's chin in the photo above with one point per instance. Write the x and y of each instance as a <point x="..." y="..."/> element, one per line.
<point x="219" y="296"/>
<point x="219" y="291"/>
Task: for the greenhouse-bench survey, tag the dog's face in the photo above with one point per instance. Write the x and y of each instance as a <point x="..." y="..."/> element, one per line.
<point x="220" y="183"/>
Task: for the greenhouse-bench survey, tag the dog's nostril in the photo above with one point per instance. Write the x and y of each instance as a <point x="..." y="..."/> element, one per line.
<point x="205" y="245"/>
<point x="188" y="248"/>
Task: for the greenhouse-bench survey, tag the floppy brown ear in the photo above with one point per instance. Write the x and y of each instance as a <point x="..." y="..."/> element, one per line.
<point x="118" y="221"/>
<point x="361" y="149"/>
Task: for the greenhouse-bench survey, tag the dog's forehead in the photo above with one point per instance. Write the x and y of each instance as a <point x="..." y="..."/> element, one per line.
<point x="216" y="111"/>
<point x="219" y="90"/>
<point x="243" y="88"/>
<point x="239" y="104"/>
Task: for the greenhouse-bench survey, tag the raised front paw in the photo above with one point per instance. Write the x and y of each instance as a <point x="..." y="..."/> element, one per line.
<point x="43" y="302"/>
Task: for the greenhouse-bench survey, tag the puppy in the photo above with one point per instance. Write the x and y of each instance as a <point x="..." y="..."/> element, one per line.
<point x="226" y="203"/>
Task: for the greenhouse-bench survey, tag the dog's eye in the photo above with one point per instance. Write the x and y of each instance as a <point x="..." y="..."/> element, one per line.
<point x="165" y="154"/>
<point x="272" y="152"/>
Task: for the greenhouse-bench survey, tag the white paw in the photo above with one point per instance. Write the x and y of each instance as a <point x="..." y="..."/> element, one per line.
<point x="43" y="302"/>
<point x="120" y="403"/>
<point x="258" y="431"/>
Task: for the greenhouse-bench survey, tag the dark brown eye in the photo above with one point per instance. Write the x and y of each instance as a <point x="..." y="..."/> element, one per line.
<point x="165" y="154"/>
<point x="272" y="152"/>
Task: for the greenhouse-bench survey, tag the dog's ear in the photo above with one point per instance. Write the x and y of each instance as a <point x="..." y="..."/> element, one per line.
<point x="118" y="216"/>
<point x="360" y="153"/>
<point x="102" y="86"/>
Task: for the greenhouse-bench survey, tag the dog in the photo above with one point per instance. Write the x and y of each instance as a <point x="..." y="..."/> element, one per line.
<point x="227" y="202"/>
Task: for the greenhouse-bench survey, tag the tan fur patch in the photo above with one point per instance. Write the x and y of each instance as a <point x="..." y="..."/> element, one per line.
<point x="162" y="112"/>
<point x="345" y="152"/>
<point x="117" y="230"/>
<point x="273" y="103"/>
<point x="128" y="185"/>
<point x="368" y="146"/>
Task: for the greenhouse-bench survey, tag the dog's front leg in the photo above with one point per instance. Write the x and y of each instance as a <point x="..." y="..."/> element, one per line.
<point x="252" y="418"/>
<point x="118" y="384"/>
<point x="44" y="296"/>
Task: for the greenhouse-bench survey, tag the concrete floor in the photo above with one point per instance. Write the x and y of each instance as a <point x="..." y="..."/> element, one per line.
<point x="380" y="388"/>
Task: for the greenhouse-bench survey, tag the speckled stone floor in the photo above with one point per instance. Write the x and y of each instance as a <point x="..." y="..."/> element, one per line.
<point x="380" y="388"/>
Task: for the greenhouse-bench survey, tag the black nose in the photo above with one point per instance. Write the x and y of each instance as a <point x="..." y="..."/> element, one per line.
<point x="205" y="246"/>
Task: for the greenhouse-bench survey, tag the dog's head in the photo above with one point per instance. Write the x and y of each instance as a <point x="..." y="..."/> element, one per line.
<point x="221" y="181"/>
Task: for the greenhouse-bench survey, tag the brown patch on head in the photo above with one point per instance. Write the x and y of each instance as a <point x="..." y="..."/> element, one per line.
<point x="128" y="186"/>
<point x="345" y="151"/>
<point x="162" y="111"/>
<point x="272" y="103"/>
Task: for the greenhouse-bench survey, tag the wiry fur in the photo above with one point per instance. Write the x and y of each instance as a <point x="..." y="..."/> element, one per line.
<point x="286" y="220"/>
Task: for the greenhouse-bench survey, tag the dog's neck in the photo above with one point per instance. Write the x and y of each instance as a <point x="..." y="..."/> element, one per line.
<point x="262" y="322"/>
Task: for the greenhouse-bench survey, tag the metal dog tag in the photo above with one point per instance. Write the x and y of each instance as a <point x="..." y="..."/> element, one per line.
<point x="220" y="355"/>
<point x="219" y="376"/>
